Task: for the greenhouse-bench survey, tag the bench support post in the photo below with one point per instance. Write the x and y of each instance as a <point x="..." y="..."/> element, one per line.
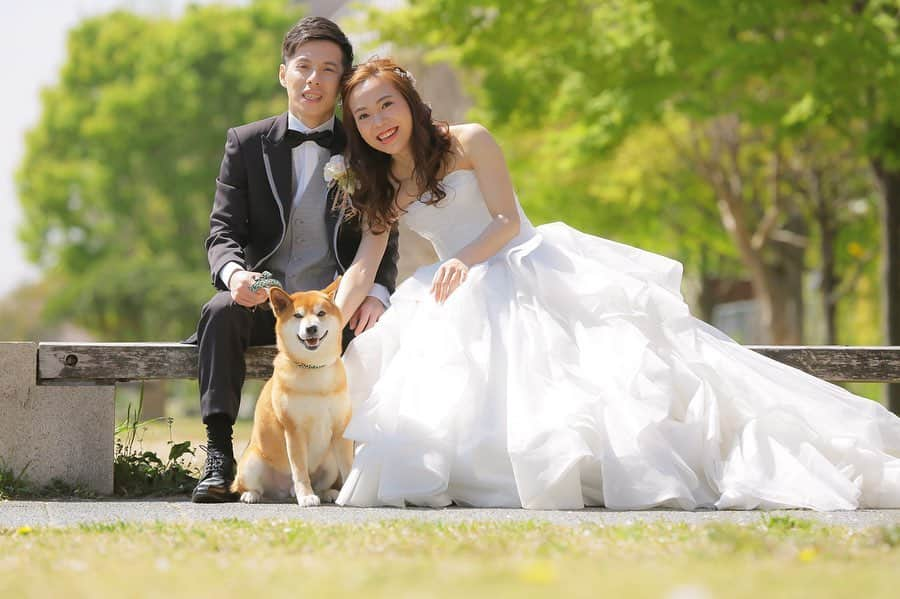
<point x="57" y="432"/>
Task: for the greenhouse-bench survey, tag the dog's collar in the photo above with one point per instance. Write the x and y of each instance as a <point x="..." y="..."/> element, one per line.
<point x="302" y="365"/>
<point x="312" y="366"/>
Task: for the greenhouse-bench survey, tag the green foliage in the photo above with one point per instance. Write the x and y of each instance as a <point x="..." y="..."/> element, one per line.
<point x="11" y="484"/>
<point x="139" y="473"/>
<point x="143" y="473"/>
<point x="602" y="67"/>
<point x="17" y="486"/>
<point x="119" y="173"/>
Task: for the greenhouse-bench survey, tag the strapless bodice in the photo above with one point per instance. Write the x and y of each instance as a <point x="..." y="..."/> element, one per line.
<point x="459" y="218"/>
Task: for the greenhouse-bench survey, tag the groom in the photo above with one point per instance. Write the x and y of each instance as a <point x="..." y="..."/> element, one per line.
<point x="273" y="211"/>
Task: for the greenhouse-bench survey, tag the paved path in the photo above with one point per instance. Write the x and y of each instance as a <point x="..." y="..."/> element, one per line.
<point x="66" y="513"/>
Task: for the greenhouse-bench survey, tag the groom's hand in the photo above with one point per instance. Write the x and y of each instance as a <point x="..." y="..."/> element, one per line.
<point x="366" y="315"/>
<point x="239" y="284"/>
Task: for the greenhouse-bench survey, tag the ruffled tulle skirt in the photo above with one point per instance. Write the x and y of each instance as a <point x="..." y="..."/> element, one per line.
<point x="567" y="371"/>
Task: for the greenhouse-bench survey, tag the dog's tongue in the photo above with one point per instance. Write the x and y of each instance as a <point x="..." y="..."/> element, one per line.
<point x="313" y="342"/>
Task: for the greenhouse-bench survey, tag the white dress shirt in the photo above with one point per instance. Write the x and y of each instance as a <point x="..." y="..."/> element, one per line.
<point x="306" y="157"/>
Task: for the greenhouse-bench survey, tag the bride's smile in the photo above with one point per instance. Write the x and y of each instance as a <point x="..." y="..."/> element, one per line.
<point x="387" y="135"/>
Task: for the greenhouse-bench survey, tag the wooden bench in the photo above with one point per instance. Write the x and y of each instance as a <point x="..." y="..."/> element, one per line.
<point x="57" y="409"/>
<point x="68" y="363"/>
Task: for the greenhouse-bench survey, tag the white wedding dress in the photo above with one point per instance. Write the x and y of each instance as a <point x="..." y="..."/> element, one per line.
<point x="567" y="371"/>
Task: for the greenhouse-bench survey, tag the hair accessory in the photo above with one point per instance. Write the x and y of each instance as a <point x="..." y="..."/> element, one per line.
<point x="405" y="74"/>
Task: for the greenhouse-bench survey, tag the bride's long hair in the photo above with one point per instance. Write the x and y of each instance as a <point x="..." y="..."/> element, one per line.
<point x="430" y="144"/>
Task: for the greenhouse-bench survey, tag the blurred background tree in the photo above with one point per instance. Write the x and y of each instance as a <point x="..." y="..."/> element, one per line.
<point x="118" y="177"/>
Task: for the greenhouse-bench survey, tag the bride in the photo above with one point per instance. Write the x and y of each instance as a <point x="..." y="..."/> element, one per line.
<point x="546" y="368"/>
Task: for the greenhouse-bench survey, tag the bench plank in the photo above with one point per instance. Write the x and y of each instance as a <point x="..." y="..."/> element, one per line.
<point x="874" y="364"/>
<point x="106" y="362"/>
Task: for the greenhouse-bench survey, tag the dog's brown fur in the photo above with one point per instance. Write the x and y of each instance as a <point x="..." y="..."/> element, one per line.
<point x="297" y="446"/>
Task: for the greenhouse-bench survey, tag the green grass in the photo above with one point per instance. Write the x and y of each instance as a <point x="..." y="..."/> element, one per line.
<point x="16" y="485"/>
<point x="782" y="557"/>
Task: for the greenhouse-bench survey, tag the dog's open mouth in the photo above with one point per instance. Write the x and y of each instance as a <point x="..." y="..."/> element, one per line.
<point x="312" y="343"/>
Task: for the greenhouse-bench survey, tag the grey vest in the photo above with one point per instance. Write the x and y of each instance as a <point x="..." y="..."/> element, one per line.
<point x="304" y="260"/>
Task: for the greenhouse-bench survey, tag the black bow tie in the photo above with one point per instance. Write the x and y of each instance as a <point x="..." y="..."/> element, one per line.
<point x="324" y="138"/>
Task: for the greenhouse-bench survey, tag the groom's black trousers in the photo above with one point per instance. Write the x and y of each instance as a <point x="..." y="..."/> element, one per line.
<point x="224" y="333"/>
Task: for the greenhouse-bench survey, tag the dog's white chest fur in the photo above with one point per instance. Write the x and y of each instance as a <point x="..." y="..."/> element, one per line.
<point x="314" y="412"/>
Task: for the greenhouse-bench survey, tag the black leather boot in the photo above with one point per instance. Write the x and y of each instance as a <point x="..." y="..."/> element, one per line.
<point x="218" y="474"/>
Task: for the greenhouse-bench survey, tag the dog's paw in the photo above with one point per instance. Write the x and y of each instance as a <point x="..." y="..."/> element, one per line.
<point x="308" y="500"/>
<point x="329" y="496"/>
<point x="251" y="497"/>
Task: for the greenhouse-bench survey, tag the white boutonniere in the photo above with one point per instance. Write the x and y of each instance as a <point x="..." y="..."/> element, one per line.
<point x="337" y="174"/>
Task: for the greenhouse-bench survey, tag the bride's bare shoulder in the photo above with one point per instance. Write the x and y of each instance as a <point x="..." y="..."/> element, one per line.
<point x="466" y="133"/>
<point x="465" y="137"/>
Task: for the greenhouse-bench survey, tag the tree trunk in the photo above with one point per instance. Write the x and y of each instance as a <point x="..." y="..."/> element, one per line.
<point x="785" y="287"/>
<point x="829" y="287"/>
<point x="777" y="284"/>
<point x="828" y="232"/>
<point x="889" y="180"/>
<point x="706" y="298"/>
<point x="778" y="287"/>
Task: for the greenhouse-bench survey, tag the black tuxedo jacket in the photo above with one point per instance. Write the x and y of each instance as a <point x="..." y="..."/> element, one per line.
<point x="253" y="202"/>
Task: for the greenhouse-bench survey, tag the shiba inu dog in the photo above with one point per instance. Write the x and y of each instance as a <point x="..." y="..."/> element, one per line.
<point x="297" y="447"/>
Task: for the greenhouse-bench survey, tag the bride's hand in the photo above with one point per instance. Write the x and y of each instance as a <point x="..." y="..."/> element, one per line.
<point x="448" y="277"/>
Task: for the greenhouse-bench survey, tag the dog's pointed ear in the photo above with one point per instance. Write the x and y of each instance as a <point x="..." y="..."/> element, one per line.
<point x="280" y="301"/>
<point x="331" y="290"/>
